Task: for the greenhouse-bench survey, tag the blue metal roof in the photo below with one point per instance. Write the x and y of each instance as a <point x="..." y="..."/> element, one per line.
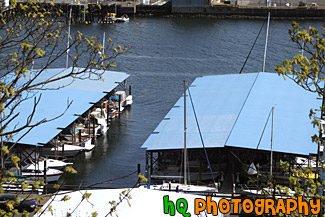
<point x="233" y="110"/>
<point x="54" y="103"/>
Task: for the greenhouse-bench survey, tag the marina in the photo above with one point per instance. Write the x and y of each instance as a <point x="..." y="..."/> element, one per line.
<point x="158" y="73"/>
<point x="86" y="118"/>
<point x="100" y="133"/>
<point x="233" y="120"/>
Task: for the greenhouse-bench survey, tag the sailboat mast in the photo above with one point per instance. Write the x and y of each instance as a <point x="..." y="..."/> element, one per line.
<point x="185" y="150"/>
<point x="267" y="38"/>
<point x="68" y="43"/>
<point x="103" y="50"/>
<point x="272" y="143"/>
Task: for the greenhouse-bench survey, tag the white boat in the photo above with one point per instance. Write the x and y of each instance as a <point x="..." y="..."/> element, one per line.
<point x="112" y="113"/>
<point x="53" y="164"/>
<point x="69" y="150"/>
<point x="36" y="172"/>
<point x="87" y="145"/>
<point x="128" y="100"/>
<point x="101" y="117"/>
<point x="185" y="188"/>
<point x="15" y="187"/>
<point x="123" y="18"/>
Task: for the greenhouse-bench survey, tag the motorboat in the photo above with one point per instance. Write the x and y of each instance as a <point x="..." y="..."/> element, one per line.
<point x="87" y="145"/>
<point x="63" y="149"/>
<point x="128" y="100"/>
<point x="112" y="113"/>
<point x="36" y="172"/>
<point x="53" y="164"/>
<point x="100" y="114"/>
<point x="178" y="187"/>
<point x="16" y="187"/>
<point x="123" y="18"/>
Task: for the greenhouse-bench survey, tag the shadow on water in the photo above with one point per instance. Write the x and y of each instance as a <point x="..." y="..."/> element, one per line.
<point x="111" y="157"/>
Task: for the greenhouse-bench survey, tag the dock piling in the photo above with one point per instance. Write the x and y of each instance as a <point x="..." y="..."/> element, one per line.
<point x="139" y="171"/>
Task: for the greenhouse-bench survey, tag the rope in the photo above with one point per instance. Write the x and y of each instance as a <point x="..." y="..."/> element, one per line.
<point x="251" y="49"/>
<point x="198" y="126"/>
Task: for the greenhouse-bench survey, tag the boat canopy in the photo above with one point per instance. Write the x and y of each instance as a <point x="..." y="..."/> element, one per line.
<point x="54" y="102"/>
<point x="234" y="109"/>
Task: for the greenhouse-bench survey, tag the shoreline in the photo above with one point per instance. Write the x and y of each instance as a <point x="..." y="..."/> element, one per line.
<point x="96" y="13"/>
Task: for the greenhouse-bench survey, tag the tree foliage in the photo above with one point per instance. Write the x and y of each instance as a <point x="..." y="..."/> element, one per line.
<point x="33" y="39"/>
<point x="35" y="35"/>
<point x="307" y="70"/>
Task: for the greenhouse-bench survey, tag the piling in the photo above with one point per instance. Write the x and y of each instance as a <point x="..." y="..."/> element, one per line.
<point x="139" y="172"/>
<point x="94" y="127"/>
<point x="45" y="175"/>
<point x="119" y="104"/>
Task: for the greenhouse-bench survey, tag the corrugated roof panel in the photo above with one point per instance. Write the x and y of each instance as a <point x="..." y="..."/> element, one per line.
<point x="292" y="127"/>
<point x="217" y="101"/>
<point x="54" y="103"/>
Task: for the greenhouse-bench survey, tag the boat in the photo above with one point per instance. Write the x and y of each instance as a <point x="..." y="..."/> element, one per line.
<point x="128" y="100"/>
<point x="112" y="113"/>
<point x="50" y="163"/>
<point x="195" y="189"/>
<point x="87" y="145"/>
<point x="36" y="172"/>
<point x="100" y="114"/>
<point x="16" y="185"/>
<point x="120" y="97"/>
<point x="53" y="164"/>
<point x="123" y="18"/>
<point x="62" y="150"/>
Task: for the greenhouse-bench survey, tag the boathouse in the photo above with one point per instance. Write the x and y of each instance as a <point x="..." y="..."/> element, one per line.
<point x="234" y="115"/>
<point x="66" y="101"/>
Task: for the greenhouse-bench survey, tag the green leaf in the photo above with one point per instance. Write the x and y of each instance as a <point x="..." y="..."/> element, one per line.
<point x="70" y="169"/>
<point x="86" y="196"/>
<point x="65" y="198"/>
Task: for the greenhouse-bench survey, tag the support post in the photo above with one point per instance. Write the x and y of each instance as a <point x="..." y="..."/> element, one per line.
<point x="63" y="151"/>
<point x="45" y="175"/>
<point x="73" y="135"/>
<point x="56" y="149"/>
<point x="147" y="165"/>
<point x="101" y="109"/>
<point x="94" y="127"/>
<point x="79" y="132"/>
<point x="119" y="104"/>
<point x="139" y="171"/>
<point x="130" y="90"/>
<point x="44" y="171"/>
<point x="107" y="111"/>
<point x="150" y="170"/>
<point x="89" y="124"/>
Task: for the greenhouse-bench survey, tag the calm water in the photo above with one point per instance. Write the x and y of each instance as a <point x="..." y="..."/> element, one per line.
<point x="165" y="51"/>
